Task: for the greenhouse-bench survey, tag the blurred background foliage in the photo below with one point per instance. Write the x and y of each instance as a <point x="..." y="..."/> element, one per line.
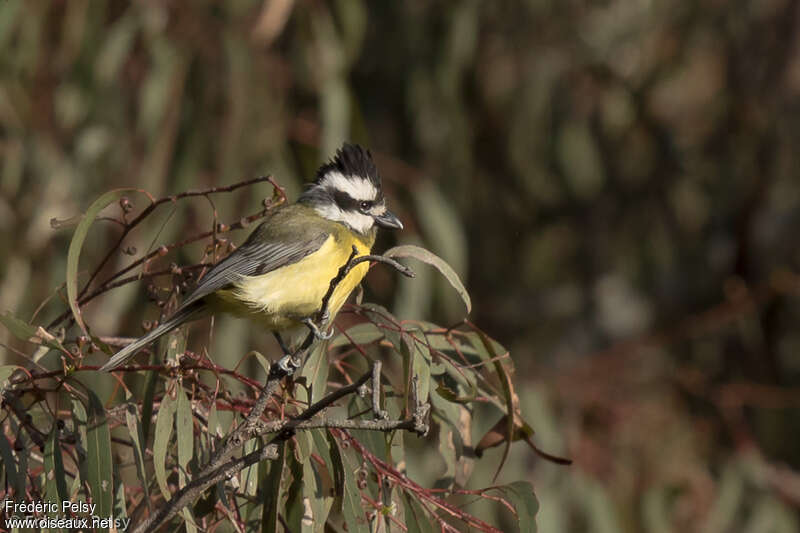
<point x="615" y="179"/>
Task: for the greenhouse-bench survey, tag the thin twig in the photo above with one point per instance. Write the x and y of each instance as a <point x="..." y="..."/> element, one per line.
<point x="149" y="209"/>
<point x="221" y="467"/>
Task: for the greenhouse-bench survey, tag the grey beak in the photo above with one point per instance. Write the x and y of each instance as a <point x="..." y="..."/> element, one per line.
<point x="388" y="220"/>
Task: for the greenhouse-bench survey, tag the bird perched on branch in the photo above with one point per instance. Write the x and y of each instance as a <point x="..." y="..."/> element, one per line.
<point x="279" y="277"/>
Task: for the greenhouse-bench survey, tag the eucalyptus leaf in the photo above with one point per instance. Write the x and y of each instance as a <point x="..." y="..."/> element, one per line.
<point x="163" y="431"/>
<point x="520" y="495"/>
<point x="75" y="247"/>
<point x="426" y="256"/>
<point x="98" y="460"/>
<point x="56" y="484"/>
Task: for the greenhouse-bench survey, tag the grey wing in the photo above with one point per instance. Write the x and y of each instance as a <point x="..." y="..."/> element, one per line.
<point x="251" y="259"/>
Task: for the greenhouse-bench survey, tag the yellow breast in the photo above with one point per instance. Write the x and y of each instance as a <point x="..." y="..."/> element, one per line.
<point x="281" y="298"/>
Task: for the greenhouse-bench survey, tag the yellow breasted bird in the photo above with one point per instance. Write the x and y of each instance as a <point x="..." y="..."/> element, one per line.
<point x="280" y="275"/>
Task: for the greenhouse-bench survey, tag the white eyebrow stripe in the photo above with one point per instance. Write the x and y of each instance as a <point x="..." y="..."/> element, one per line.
<point x="357" y="221"/>
<point x="358" y="188"/>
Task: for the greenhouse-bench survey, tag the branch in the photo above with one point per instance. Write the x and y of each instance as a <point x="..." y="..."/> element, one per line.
<point x="221" y="467"/>
<point x="109" y="283"/>
<point x="174" y="198"/>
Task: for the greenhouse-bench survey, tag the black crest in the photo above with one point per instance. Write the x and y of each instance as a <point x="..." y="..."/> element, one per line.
<point x="352" y="160"/>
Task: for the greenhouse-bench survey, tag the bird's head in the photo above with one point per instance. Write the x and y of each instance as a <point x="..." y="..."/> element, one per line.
<point x="347" y="189"/>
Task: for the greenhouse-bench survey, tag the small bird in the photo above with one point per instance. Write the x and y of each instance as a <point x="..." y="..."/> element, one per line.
<point x="280" y="275"/>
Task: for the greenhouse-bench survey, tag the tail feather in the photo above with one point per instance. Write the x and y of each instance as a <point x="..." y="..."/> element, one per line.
<point x="192" y="312"/>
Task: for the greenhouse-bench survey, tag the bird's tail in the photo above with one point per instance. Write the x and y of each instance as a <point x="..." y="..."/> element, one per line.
<point x="191" y="312"/>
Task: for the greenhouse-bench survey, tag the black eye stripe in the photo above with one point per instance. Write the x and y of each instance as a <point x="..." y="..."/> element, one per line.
<point x="348" y="203"/>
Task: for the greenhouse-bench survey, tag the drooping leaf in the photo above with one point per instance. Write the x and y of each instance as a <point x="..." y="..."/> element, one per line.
<point x="137" y="440"/>
<point x="13" y="477"/>
<point x="335" y="465"/>
<point x="361" y="334"/>
<point x="352" y="510"/>
<point x="317" y="496"/>
<point x="5" y="373"/>
<point x="295" y="508"/>
<point x="184" y="427"/>
<point x="416" y="519"/>
<point x="26" y="332"/>
<point x="315" y="370"/>
<point x="164" y="420"/>
<point x="487" y="350"/>
<point x="520" y="495"/>
<point x="426" y="256"/>
<point x="75" y="246"/>
<point x="272" y="492"/>
<point x="98" y="461"/>
<point x="422" y="369"/>
<point x="56" y="480"/>
<point x="149" y="388"/>
<point x="248" y="477"/>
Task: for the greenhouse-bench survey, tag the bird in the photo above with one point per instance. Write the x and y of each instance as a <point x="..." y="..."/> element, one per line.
<point x="279" y="276"/>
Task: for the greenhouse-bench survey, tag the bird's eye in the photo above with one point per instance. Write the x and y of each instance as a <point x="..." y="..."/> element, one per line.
<point x="363" y="206"/>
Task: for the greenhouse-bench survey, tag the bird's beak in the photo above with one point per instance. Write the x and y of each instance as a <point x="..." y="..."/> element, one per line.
<point x="388" y="220"/>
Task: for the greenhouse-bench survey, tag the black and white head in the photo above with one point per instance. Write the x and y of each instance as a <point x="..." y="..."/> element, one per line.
<point x="347" y="189"/>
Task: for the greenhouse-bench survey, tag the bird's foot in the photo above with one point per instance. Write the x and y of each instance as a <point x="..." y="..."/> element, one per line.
<point x="285" y="366"/>
<point x="315" y="329"/>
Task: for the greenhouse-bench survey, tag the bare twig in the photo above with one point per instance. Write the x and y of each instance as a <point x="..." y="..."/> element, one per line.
<point x="155" y="203"/>
<point x="221" y="467"/>
<point x="109" y="283"/>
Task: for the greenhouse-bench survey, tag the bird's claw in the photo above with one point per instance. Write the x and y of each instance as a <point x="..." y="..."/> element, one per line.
<point x="316" y="331"/>
<point x="286" y="366"/>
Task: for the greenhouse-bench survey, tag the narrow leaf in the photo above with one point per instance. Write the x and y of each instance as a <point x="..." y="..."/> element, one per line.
<point x="416" y="519"/>
<point x="26" y="332"/>
<point x="520" y="495"/>
<point x="486" y="349"/>
<point x="13" y="477"/>
<point x="315" y="370"/>
<point x="272" y="492"/>
<point x="294" y="507"/>
<point x="135" y="431"/>
<point x="150" y="382"/>
<point x="426" y="256"/>
<point x="351" y="498"/>
<point x="166" y="415"/>
<point x="56" y="480"/>
<point x="74" y="253"/>
<point x="98" y="451"/>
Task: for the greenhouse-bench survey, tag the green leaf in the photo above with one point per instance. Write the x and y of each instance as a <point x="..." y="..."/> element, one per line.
<point x="74" y="253"/>
<point x="248" y="477"/>
<point x="135" y="431"/>
<point x="315" y="370"/>
<point x="26" y="332"/>
<point x="166" y="415"/>
<point x="486" y="349"/>
<point x="333" y="459"/>
<point x="416" y="519"/>
<point x="352" y="509"/>
<point x="272" y="492"/>
<point x="426" y="256"/>
<point x="422" y="369"/>
<point x="56" y="480"/>
<point x="184" y="427"/>
<point x="520" y="495"/>
<point x="5" y="373"/>
<point x="294" y="507"/>
<point x="13" y="477"/>
<point x="361" y="334"/>
<point x="318" y="492"/>
<point x="150" y="382"/>
<point x="98" y="461"/>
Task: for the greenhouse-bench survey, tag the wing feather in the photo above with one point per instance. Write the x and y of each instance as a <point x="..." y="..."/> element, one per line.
<point x="256" y="256"/>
